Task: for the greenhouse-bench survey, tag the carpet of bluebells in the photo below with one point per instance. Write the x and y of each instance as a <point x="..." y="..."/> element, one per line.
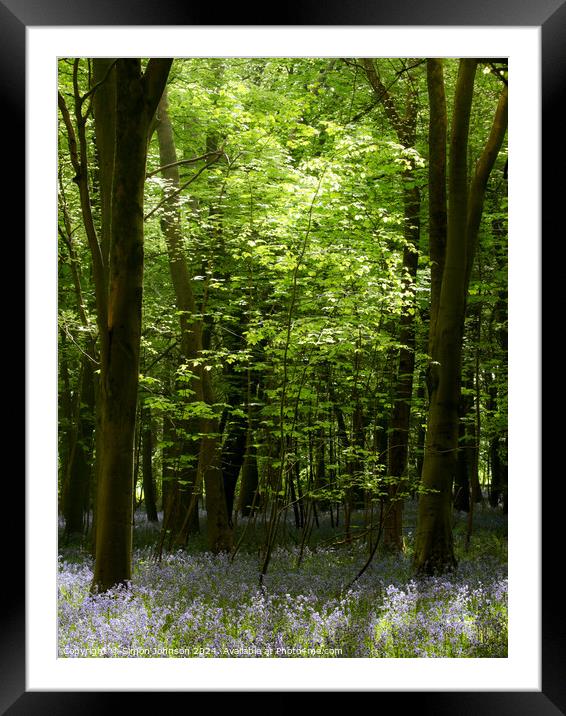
<point x="194" y="604"/>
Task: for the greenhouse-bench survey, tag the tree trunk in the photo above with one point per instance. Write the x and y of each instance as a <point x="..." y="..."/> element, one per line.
<point x="181" y="495"/>
<point x="104" y="112"/>
<point x="76" y="494"/>
<point x="437" y="200"/>
<point x="248" y="501"/>
<point x="136" y="100"/>
<point x="219" y="529"/>
<point x="233" y="451"/>
<point x="462" y="478"/>
<point x="65" y="417"/>
<point x="205" y="464"/>
<point x="434" y="550"/>
<point x="400" y="421"/>
<point x="239" y="385"/>
<point x="147" y="466"/>
<point x="398" y="448"/>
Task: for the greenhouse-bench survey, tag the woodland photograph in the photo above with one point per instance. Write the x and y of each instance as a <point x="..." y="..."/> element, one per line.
<point x="282" y="357"/>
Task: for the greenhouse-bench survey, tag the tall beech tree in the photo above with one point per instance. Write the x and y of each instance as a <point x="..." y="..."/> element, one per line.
<point x="137" y="96"/>
<point x="434" y="552"/>
<point x="118" y="283"/>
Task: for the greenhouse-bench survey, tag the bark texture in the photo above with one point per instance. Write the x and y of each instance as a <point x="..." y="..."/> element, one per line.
<point x="434" y="550"/>
<point x="137" y="96"/>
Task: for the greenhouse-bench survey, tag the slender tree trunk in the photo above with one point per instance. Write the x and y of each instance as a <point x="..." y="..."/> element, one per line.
<point x="167" y="467"/>
<point x="65" y="416"/>
<point x="219" y="529"/>
<point x="236" y="423"/>
<point x="498" y="443"/>
<point x="400" y="421"/>
<point x="404" y="126"/>
<point x="437" y="199"/>
<point x="421" y="433"/>
<point x="147" y="466"/>
<point x="293" y="496"/>
<point x="249" y="484"/>
<point x="77" y="482"/>
<point x="206" y="463"/>
<point x="233" y="452"/>
<point x="497" y="459"/>
<point x="104" y="110"/>
<point x="320" y="474"/>
<point x="250" y="478"/>
<point x="463" y="466"/>
<point x="348" y="491"/>
<point x="76" y="495"/>
<point x="181" y="493"/>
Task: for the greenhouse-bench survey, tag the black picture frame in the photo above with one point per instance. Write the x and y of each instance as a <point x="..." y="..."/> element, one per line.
<point x="550" y="16"/>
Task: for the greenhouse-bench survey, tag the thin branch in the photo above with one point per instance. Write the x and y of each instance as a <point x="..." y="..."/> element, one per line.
<point x="483" y="170"/>
<point x="352" y="63"/>
<point x="382" y="93"/>
<point x="171" y="196"/>
<point x="408" y="68"/>
<point x="193" y="160"/>
<point x="161" y="355"/>
<point x="66" y="236"/>
<point x="70" y="336"/>
<point x="154" y="80"/>
<point x="375" y="546"/>
<point x="79" y="165"/>
<point x="498" y="72"/>
<point x="73" y="150"/>
<point x="362" y="113"/>
<point x="93" y="89"/>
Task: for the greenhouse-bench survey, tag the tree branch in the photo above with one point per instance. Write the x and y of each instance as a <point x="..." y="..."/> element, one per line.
<point x="81" y="179"/>
<point x="93" y="89"/>
<point x="382" y="94"/>
<point x="481" y="176"/>
<point x="154" y="80"/>
<point x="498" y="72"/>
<point x="171" y="196"/>
<point x="193" y="160"/>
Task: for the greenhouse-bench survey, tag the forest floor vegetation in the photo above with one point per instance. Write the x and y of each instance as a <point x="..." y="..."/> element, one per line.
<point x="195" y="604"/>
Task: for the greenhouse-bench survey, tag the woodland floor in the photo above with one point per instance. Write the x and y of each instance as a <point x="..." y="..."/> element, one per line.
<point x="194" y="604"/>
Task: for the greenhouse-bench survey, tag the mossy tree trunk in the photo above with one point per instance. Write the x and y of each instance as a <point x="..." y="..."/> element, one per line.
<point x="434" y="549"/>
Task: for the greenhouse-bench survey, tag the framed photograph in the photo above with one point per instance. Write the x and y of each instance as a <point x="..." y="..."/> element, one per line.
<point x="529" y="680"/>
